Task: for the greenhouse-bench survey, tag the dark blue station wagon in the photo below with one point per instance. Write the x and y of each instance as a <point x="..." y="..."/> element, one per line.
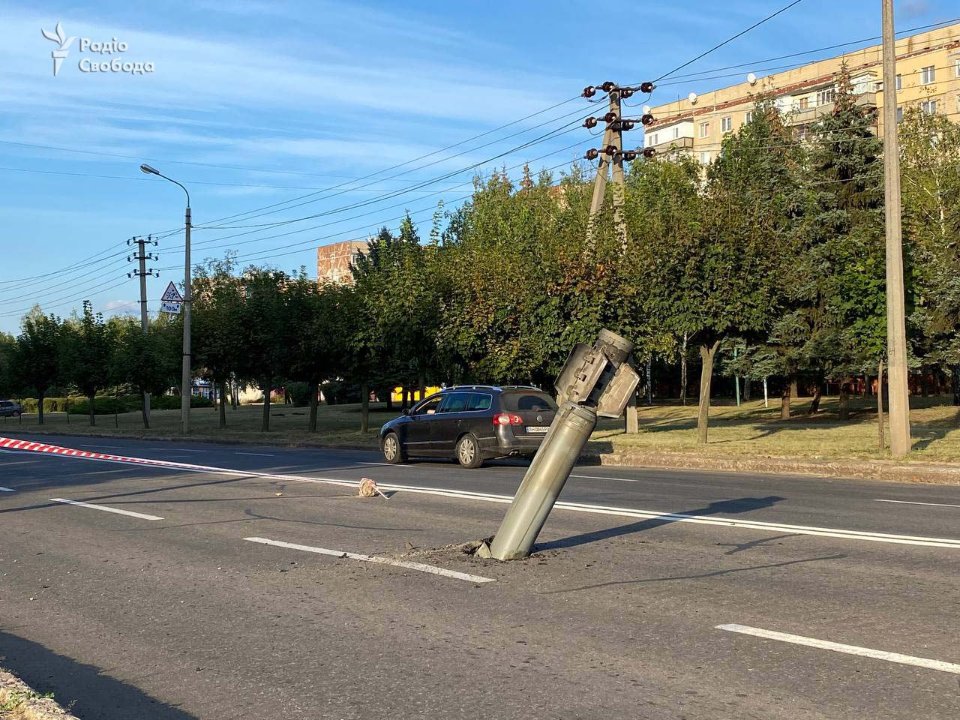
<point x="471" y="423"/>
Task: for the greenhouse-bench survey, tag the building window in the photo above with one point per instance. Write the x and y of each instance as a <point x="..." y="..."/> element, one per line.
<point x="928" y="75"/>
<point x="929" y="107"/>
<point x="956" y="68"/>
<point x="704" y="158"/>
<point x="653" y="139"/>
<point x="726" y="124"/>
<point x="704" y="129"/>
<point x="804" y="103"/>
<point x="899" y="82"/>
<point x="899" y="114"/>
<point x="825" y="97"/>
<point x="676" y="133"/>
<point x="749" y="116"/>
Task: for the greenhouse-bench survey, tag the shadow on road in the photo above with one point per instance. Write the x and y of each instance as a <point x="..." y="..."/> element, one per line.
<point x="741" y="505"/>
<point x="83" y="689"/>
<point x="699" y="576"/>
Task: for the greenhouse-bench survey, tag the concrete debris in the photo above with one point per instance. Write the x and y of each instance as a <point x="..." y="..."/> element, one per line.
<point x="368" y="488"/>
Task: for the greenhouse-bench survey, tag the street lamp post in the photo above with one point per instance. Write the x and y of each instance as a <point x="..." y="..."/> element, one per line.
<point x="185" y="385"/>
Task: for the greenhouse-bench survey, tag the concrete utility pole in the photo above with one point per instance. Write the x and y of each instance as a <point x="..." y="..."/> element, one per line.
<point x="142" y="272"/>
<point x="899" y="393"/>
<point x="613" y="154"/>
<point x="186" y="386"/>
<point x="595" y="381"/>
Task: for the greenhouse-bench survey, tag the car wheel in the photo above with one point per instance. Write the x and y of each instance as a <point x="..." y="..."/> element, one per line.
<point x="392" y="449"/>
<point x="468" y="452"/>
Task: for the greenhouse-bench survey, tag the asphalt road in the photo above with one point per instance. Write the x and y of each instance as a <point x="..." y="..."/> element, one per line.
<point x="652" y="594"/>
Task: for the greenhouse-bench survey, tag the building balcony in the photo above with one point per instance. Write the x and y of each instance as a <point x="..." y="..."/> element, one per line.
<point x="808" y="116"/>
<point x="675" y="145"/>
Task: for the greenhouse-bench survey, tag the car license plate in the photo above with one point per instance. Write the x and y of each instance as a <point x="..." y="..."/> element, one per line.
<point x="536" y="429"/>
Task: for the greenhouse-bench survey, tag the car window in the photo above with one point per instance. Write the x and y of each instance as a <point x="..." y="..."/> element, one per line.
<point x="454" y="402"/>
<point x="535" y="401"/>
<point x="428" y="406"/>
<point x="480" y="401"/>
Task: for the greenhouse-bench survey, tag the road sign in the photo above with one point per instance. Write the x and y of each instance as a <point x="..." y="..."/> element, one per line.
<point x="171" y="294"/>
<point x="171" y="300"/>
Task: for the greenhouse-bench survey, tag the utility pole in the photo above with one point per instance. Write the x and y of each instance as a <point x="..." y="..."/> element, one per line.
<point x="899" y="392"/>
<point x="142" y="272"/>
<point x="613" y="154"/>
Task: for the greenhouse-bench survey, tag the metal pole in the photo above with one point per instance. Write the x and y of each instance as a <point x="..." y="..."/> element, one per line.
<point x="898" y="391"/>
<point x="142" y="257"/>
<point x="185" y="389"/>
<point x="543" y="482"/>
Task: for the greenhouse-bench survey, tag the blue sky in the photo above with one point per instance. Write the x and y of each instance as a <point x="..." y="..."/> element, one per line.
<point x="254" y="103"/>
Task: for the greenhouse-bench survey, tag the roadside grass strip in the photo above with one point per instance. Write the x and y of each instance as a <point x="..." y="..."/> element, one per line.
<point x="104" y="508"/>
<point x="420" y="567"/>
<point x="841" y="648"/>
<point x="667" y="517"/>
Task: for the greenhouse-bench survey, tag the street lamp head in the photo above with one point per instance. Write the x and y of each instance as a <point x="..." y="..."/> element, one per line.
<point x="149" y="170"/>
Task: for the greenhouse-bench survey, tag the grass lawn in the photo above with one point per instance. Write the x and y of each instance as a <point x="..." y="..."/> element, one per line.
<point x="753" y="430"/>
<point x="748" y="431"/>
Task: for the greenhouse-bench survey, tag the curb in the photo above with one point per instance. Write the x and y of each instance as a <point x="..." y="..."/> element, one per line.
<point x="876" y="470"/>
<point x="27" y="702"/>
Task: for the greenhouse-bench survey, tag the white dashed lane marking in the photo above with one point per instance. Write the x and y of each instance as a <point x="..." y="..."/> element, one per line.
<point x="912" y="502"/>
<point x="104" y="508"/>
<point x="841" y="648"/>
<point x="420" y="567"/>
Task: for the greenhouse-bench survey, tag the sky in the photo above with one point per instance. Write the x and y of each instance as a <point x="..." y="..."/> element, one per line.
<point x="299" y="124"/>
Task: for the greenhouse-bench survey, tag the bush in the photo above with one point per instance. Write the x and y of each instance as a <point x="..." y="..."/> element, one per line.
<point x="299" y="393"/>
<point x="172" y="402"/>
<point x="106" y="405"/>
<point x="50" y="404"/>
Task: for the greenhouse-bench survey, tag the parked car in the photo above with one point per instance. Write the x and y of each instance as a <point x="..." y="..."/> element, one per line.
<point x="8" y="408"/>
<point x="471" y="423"/>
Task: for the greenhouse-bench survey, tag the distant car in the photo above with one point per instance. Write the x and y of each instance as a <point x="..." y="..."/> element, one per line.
<point x="8" y="408"/>
<point x="471" y="423"/>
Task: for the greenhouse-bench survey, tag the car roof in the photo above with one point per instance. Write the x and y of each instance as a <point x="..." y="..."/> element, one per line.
<point x="494" y="388"/>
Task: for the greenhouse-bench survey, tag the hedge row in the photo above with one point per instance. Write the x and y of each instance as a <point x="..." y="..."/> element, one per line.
<point x="108" y="404"/>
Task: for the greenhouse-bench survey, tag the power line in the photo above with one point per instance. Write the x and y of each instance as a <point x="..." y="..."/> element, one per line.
<point x="729" y="40"/>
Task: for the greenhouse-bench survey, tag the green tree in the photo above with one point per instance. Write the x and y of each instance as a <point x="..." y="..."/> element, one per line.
<point x="217" y="326"/>
<point x="150" y="362"/>
<point x="87" y="350"/>
<point x="727" y="279"/>
<point x="265" y="332"/>
<point x="36" y="361"/>
<point x="931" y="198"/>
<point x="844" y="255"/>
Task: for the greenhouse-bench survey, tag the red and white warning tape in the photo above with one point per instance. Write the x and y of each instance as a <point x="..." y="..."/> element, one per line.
<point x="31" y="446"/>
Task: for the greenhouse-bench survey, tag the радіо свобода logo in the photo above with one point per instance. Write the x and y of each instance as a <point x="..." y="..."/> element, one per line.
<point x="63" y="41"/>
<point x="101" y="48"/>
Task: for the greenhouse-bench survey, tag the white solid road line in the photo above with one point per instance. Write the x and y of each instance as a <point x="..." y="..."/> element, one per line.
<point x="921" y="541"/>
<point x="142" y="516"/>
<point x="910" y="502"/>
<point x="433" y="570"/>
<point x="255" y="454"/>
<point x="841" y="648"/>
<point x="399" y="465"/>
<point x="3" y="489"/>
<point x="604" y="477"/>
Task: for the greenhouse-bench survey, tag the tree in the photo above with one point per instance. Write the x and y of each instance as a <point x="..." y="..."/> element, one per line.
<point x="844" y="255"/>
<point x="147" y="361"/>
<point x="931" y="193"/>
<point x="36" y="361"/>
<point x="727" y="278"/>
<point x="217" y="324"/>
<point x="86" y="354"/>
<point x="265" y="332"/>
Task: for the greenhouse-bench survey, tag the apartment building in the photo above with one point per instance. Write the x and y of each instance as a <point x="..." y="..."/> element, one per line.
<point x="334" y="260"/>
<point x="928" y="76"/>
